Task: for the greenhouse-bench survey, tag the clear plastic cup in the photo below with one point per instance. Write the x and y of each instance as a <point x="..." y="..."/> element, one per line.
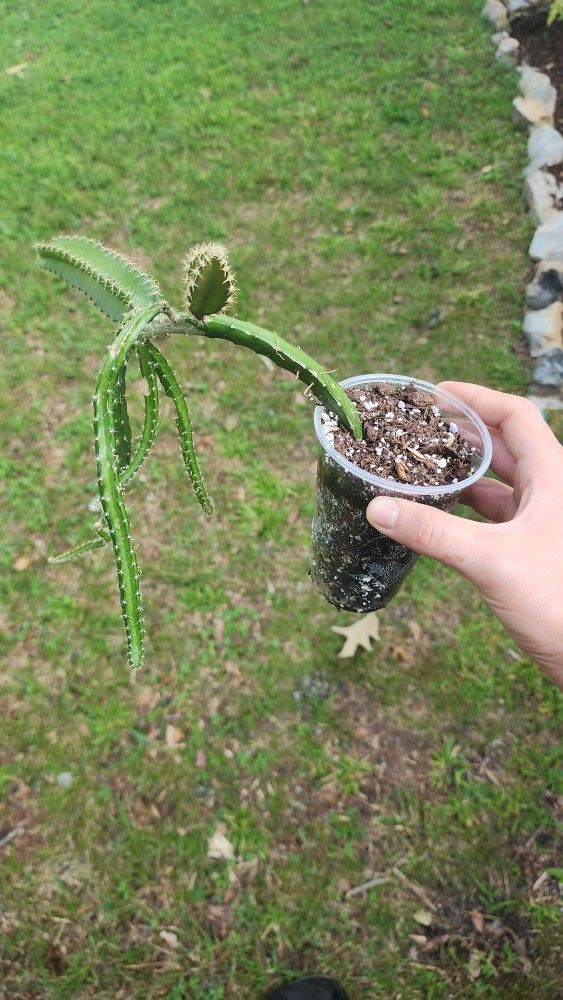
<point x="354" y="566"/>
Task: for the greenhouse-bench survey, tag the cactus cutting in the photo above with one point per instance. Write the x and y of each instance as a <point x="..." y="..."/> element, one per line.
<point x="133" y="300"/>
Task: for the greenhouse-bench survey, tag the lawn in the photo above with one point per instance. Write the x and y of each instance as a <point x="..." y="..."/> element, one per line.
<point x="359" y="161"/>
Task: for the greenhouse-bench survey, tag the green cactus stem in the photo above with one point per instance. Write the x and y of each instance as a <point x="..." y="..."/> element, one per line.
<point x="151" y="417"/>
<point x="79" y="550"/>
<point x="210" y="283"/>
<point x="111" y="281"/>
<point x="283" y="354"/>
<point x="115" y="513"/>
<point x="121" y="422"/>
<point x="172" y="389"/>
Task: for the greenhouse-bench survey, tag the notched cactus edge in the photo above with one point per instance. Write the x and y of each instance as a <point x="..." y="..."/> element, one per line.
<point x="133" y="299"/>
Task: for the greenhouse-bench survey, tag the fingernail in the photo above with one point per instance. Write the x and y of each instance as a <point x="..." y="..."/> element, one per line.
<point x="383" y="512"/>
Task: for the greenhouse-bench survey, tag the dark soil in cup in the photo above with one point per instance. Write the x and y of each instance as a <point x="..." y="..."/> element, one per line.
<point x="542" y="48"/>
<point x="355" y="567"/>
<point x="405" y="438"/>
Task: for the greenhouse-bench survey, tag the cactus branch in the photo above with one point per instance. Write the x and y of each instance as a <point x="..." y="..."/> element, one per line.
<point x="112" y="282"/>
<point x="121" y="422"/>
<point x="151" y="417"/>
<point x="79" y="550"/>
<point x="116" y="516"/>
<point x="283" y="354"/>
<point x="183" y="423"/>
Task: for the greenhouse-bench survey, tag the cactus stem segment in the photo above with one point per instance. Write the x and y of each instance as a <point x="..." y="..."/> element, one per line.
<point x="172" y="389"/>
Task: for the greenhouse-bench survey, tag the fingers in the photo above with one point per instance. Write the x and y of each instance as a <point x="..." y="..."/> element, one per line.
<point x="491" y="499"/>
<point x="519" y="421"/>
<point x="503" y="464"/>
<point x="453" y="540"/>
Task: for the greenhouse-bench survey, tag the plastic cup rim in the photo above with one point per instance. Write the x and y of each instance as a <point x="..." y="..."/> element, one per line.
<point x="390" y="485"/>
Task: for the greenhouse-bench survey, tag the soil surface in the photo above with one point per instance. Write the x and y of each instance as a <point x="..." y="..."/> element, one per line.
<point x="542" y="48"/>
<point x="405" y="437"/>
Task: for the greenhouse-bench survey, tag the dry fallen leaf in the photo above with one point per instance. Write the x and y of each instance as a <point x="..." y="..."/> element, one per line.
<point x="200" y="758"/>
<point x="169" y="938"/>
<point x="174" y="737"/>
<point x="16" y="70"/>
<point x="423" y="917"/>
<point x="21" y="563"/>
<point x="360" y="633"/>
<point x="219" y="847"/>
<point x="416" y="631"/>
<point x="477" y="921"/>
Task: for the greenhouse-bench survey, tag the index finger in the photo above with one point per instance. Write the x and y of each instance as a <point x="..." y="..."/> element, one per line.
<point x="519" y="421"/>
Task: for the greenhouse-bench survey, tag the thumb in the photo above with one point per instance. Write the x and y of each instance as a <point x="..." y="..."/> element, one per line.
<point x="453" y="540"/>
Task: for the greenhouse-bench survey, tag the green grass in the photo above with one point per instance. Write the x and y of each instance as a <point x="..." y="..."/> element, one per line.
<point x="359" y="160"/>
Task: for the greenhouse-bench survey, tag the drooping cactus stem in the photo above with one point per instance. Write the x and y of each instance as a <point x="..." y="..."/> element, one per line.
<point x="121" y="422"/>
<point x="151" y="417"/>
<point x="283" y="354"/>
<point x="115" y="513"/>
<point x="183" y="423"/>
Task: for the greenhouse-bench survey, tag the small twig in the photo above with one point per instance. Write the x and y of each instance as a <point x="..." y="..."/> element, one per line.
<point x="16" y="832"/>
<point x="415" y="889"/>
<point x="370" y="884"/>
<point x="378" y="878"/>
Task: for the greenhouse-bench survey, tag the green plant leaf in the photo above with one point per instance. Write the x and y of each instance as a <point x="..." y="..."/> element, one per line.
<point x="151" y="417"/>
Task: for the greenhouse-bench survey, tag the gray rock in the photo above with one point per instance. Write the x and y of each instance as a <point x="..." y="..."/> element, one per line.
<point x="495" y="12"/>
<point x="547" y="243"/>
<point x="549" y="368"/>
<point x="507" y="51"/>
<point x="543" y="329"/>
<point x="545" y="147"/>
<point x="498" y="37"/>
<point x="517" y="7"/>
<point x="526" y="111"/>
<point x="547" y="286"/>
<point x="538" y="86"/>
<point x="64" y="779"/>
<point x="546" y="402"/>
<point x="540" y="192"/>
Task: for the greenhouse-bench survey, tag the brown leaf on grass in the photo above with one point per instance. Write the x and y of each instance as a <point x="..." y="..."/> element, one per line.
<point x="360" y="633"/>
<point x="474" y="965"/>
<point x="233" y="670"/>
<point x="169" y="938"/>
<point x="221" y="920"/>
<point x="415" y="631"/>
<point x="21" y="563"/>
<point x="218" y="847"/>
<point x="200" y="758"/>
<point x="401" y="654"/>
<point x="16" y="70"/>
<point x="174" y="736"/>
<point x="146" y="698"/>
<point x="477" y="921"/>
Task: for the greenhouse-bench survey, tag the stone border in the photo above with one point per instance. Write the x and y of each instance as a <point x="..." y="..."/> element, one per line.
<point x="534" y="110"/>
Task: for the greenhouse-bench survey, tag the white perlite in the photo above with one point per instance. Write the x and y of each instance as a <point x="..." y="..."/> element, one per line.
<point x="547" y="243"/>
<point x="545" y="147"/>
<point x="495" y="12"/>
<point x="540" y="192"/>
<point x="543" y="329"/>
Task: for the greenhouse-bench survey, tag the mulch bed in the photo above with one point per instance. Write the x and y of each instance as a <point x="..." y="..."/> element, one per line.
<point x="542" y="48"/>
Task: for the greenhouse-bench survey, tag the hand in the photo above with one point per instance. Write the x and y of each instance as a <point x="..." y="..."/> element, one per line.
<point x="516" y="562"/>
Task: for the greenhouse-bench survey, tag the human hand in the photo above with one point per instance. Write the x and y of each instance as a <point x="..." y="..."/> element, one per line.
<point x="516" y="562"/>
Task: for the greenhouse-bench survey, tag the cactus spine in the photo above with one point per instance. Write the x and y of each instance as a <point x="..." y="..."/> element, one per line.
<point x="133" y="299"/>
